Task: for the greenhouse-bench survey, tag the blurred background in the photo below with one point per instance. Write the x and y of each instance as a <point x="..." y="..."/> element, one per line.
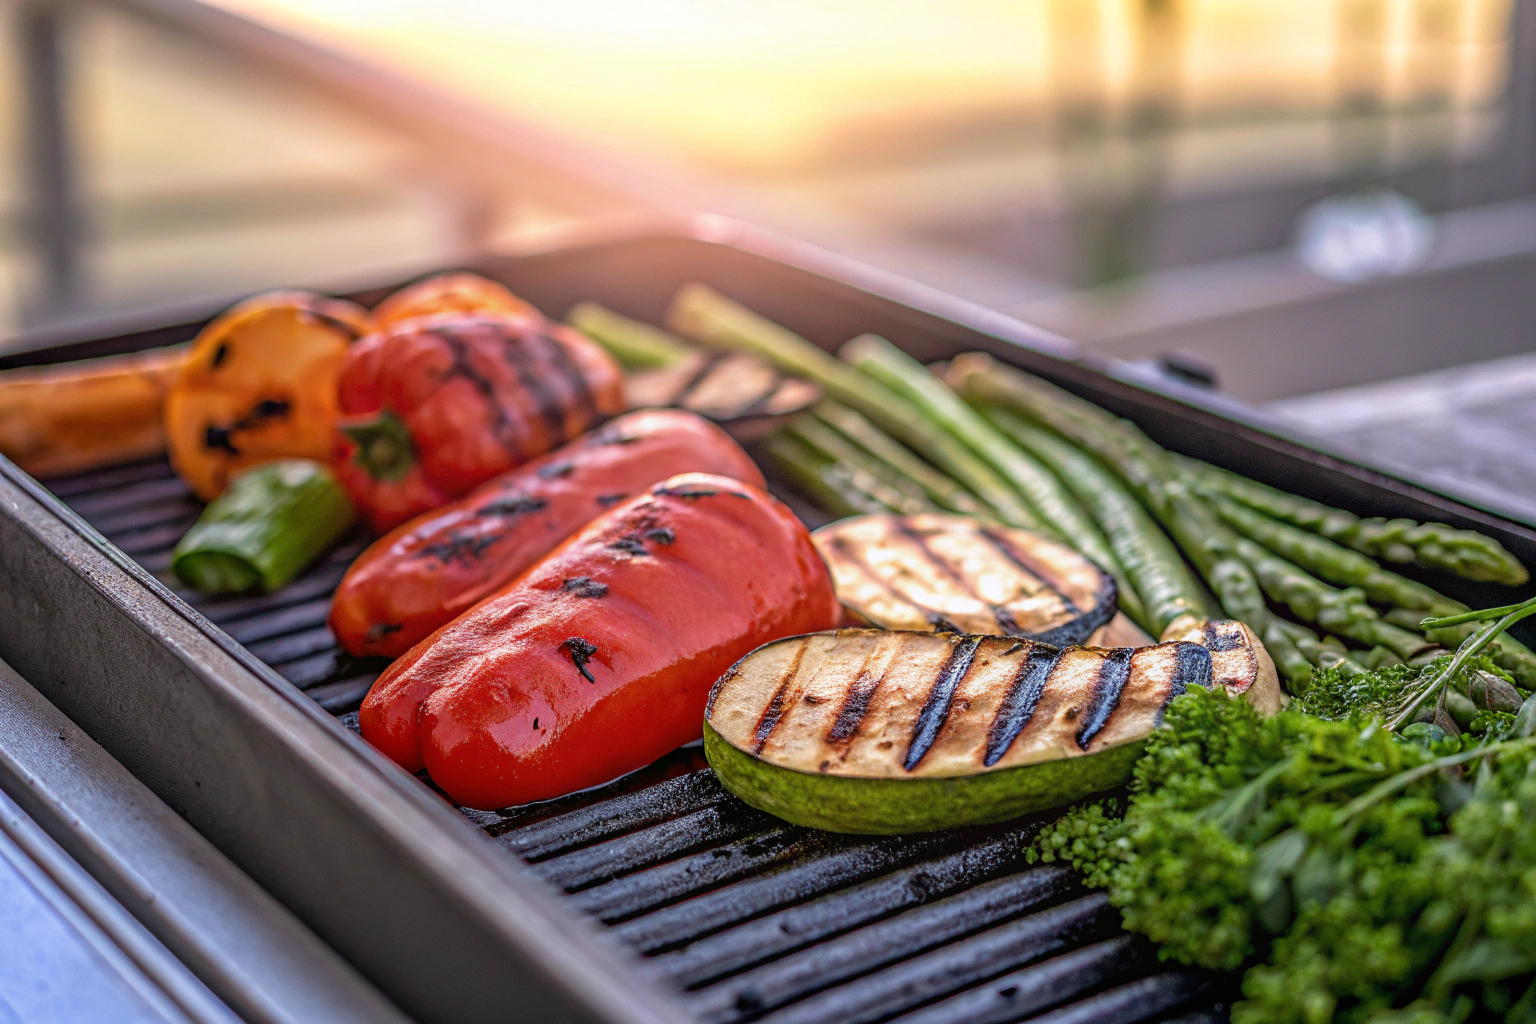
<point x="1285" y="198"/>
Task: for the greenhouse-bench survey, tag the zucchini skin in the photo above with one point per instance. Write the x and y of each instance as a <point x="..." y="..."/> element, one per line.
<point x="840" y="803"/>
<point x="426" y="572"/>
<point x="272" y="522"/>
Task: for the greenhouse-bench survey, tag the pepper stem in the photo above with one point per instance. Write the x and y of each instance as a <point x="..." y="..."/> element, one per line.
<point x="384" y="446"/>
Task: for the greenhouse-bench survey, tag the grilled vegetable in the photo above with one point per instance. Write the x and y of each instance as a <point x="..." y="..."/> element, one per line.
<point x="270" y="524"/>
<point x="1152" y="564"/>
<point x="259" y="384"/>
<point x="431" y="569"/>
<point x="636" y="345"/>
<point x="1239" y="662"/>
<point x="436" y="406"/>
<point x="599" y="659"/>
<point x="874" y="731"/>
<point x="887" y="451"/>
<point x="946" y="411"/>
<point x="951" y="574"/>
<point x="708" y="317"/>
<point x="450" y="293"/>
<point x="747" y="394"/>
<point x="1433" y="545"/>
<point x="95" y="412"/>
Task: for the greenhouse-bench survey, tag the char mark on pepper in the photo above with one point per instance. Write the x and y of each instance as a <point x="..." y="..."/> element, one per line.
<point x="460" y="546"/>
<point x="581" y="652"/>
<point x="584" y="586"/>
<point x="512" y="507"/>
<point x="608" y="500"/>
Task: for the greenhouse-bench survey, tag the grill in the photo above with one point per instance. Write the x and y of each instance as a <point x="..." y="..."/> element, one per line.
<point x="743" y="917"/>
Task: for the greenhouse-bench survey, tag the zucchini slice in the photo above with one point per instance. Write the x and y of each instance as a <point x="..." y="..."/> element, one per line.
<point x="747" y="395"/>
<point x="1239" y="661"/>
<point x="952" y="574"/>
<point x="862" y="730"/>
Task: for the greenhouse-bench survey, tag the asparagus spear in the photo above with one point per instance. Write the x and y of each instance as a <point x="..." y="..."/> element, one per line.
<point x="873" y="477"/>
<point x="1332" y="562"/>
<point x="1433" y="545"/>
<point x="1344" y="612"/>
<point x="816" y="475"/>
<point x="1154" y="565"/>
<point x="1050" y="500"/>
<point x="1142" y="465"/>
<point x="858" y="429"/>
<point x="638" y="346"/>
<point x="710" y="318"/>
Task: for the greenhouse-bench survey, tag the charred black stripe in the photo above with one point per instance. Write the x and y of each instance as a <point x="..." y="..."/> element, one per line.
<point x="855" y="705"/>
<point x="1023" y="696"/>
<point x="511" y="507"/>
<point x="1193" y="668"/>
<point x="704" y="370"/>
<point x="549" y="404"/>
<point x="934" y="560"/>
<point x="1006" y="548"/>
<point x="1114" y="670"/>
<point x="462" y="546"/>
<point x="581" y="392"/>
<point x="936" y="708"/>
<point x="1221" y="640"/>
<point x="1081" y="628"/>
<point x="335" y="323"/>
<point x="775" y="709"/>
<point x="463" y="367"/>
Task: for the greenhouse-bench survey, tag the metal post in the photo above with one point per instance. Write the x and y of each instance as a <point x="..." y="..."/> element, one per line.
<point x="55" y="219"/>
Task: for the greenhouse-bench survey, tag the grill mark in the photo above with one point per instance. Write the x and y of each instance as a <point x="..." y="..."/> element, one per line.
<point x="549" y="404"/>
<point x="856" y="703"/>
<point x="461" y="546"/>
<point x="1226" y="640"/>
<point x="1114" y="670"/>
<point x="1018" y="558"/>
<point x="1192" y="668"/>
<point x="581" y="393"/>
<point x="686" y="391"/>
<point x="511" y="507"/>
<point x="944" y="568"/>
<point x="1018" y="705"/>
<point x="775" y="709"/>
<point x="940" y="697"/>
<point x="1081" y="628"/>
<point x="767" y="396"/>
<point x="462" y="367"/>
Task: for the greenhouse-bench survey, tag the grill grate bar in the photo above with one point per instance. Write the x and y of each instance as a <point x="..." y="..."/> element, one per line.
<point x="294" y="646"/>
<point x="858" y="952"/>
<point x="704" y="827"/>
<point x="843" y="862"/>
<point x="266" y="625"/>
<point x="629" y="813"/>
<point x="786" y="930"/>
<point x="1137" y="1001"/>
<point x="72" y="488"/>
<point x="155" y="539"/>
<point x="122" y="523"/>
<point x="957" y="965"/>
<point x="1039" y="987"/>
<point x="94" y="505"/>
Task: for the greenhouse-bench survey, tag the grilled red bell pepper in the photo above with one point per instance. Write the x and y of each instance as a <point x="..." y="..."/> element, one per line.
<point x="435" y="406"/>
<point x="600" y="658"/>
<point x="432" y="568"/>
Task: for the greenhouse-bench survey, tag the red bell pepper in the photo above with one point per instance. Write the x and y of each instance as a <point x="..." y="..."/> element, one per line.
<point x="433" y="407"/>
<point x="600" y="658"/>
<point x="428" y="571"/>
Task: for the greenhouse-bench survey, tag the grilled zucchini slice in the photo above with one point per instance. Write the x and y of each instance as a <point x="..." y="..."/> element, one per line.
<point x="949" y="573"/>
<point x="1239" y="662"/>
<point x="862" y="730"/>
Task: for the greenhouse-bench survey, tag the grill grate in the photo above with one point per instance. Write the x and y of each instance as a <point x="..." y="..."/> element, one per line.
<point x="744" y="917"/>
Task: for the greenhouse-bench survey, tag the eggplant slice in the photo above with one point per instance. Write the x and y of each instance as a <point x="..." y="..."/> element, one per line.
<point x="948" y="573"/>
<point x="742" y="392"/>
<point x="862" y="730"/>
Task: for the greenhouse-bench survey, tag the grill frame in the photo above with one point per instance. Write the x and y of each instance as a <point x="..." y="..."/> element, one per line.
<point x="469" y="933"/>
